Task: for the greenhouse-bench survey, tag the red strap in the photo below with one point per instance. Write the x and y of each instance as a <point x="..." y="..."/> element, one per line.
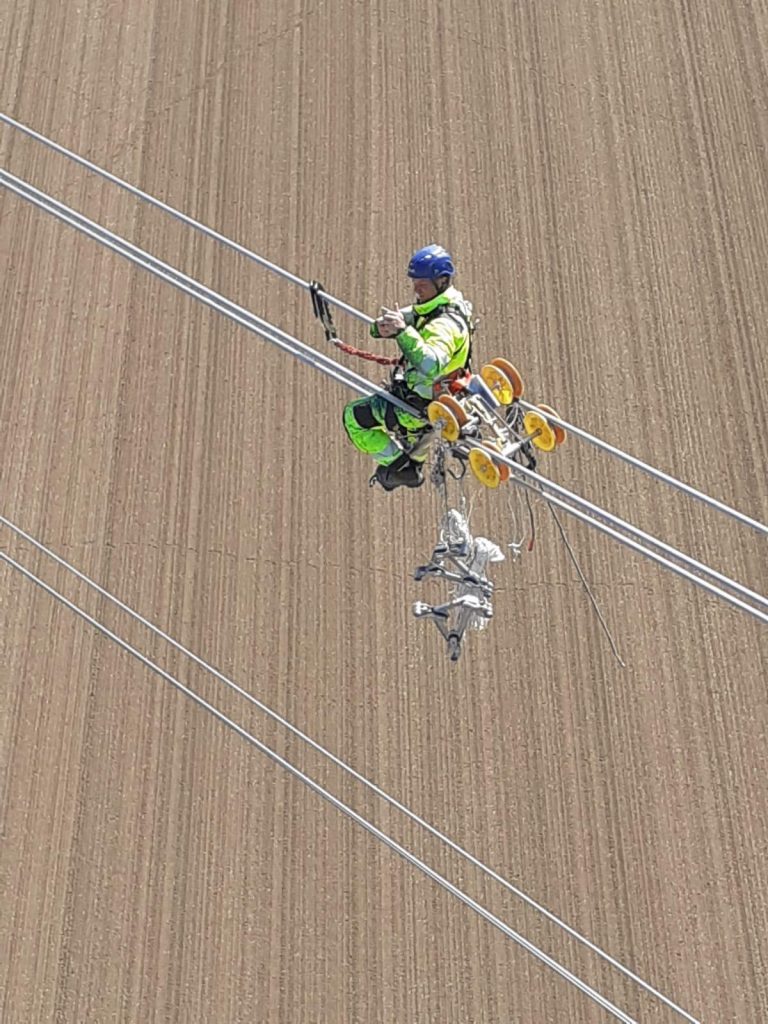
<point x="370" y="356"/>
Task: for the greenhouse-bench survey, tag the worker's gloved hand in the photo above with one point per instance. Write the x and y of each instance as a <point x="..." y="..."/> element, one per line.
<point x="390" y="323"/>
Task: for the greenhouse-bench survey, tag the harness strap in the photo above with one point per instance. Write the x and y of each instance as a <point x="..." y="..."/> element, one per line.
<point x="322" y="311"/>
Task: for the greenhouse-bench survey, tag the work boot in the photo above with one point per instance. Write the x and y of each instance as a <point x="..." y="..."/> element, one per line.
<point x="403" y="472"/>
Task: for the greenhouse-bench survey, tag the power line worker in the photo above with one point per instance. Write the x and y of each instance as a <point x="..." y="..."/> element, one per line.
<point x="434" y="337"/>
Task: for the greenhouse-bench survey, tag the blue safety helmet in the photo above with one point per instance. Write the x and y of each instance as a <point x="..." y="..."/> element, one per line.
<point x="431" y="262"/>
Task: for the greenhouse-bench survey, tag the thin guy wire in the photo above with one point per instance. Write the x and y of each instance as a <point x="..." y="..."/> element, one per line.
<point x="348" y="769"/>
<point x="256" y="258"/>
<point x="411" y="858"/>
<point x="585" y="584"/>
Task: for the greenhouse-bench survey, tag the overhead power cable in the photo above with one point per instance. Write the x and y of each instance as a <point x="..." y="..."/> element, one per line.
<point x="177" y="214"/>
<point x="362" y="385"/>
<point x="305" y="353"/>
<point x="537" y="483"/>
<point x="657" y="474"/>
<point x="343" y="766"/>
<point x="345" y="809"/>
<point x="328" y="366"/>
<point x="138" y="256"/>
<point x="197" y="225"/>
<point x="695" y="566"/>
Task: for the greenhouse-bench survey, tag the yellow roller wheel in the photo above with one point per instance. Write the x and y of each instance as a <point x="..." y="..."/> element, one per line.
<point x="512" y="375"/>
<point x="504" y="470"/>
<point x="484" y="468"/>
<point x="446" y="415"/>
<point x="502" y="387"/>
<point x="560" y="432"/>
<point x="536" y="423"/>
<point x="456" y="408"/>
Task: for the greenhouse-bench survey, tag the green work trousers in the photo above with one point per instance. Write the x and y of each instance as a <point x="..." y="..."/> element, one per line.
<point x="380" y="429"/>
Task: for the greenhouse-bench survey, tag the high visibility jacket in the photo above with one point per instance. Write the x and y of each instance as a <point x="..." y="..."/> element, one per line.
<point x="436" y="340"/>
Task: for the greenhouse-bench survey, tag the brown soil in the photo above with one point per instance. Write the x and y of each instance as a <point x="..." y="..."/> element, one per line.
<point x="599" y="171"/>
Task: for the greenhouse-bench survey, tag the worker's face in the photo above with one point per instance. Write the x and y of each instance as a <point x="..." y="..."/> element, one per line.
<point x="424" y="288"/>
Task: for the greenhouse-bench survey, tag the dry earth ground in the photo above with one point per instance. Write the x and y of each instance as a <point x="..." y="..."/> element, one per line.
<point x="600" y="171"/>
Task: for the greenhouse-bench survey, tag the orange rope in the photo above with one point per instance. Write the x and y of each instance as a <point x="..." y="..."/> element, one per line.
<point x="370" y="356"/>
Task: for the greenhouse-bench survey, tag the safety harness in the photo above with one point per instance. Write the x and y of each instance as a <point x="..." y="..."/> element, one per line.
<point x="455" y="312"/>
<point x="397" y="385"/>
<point x="322" y="311"/>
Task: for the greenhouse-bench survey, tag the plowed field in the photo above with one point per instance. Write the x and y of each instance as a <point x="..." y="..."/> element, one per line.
<point x="599" y="171"/>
